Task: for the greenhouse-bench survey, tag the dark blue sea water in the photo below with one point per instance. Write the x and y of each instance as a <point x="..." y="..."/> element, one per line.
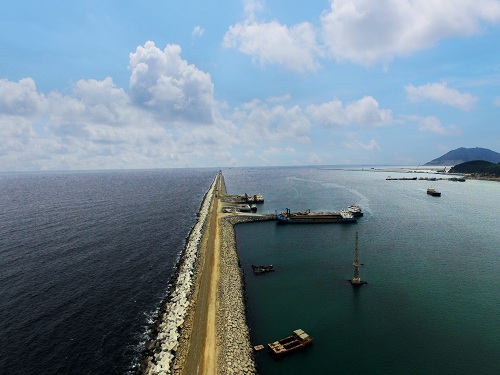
<point x="85" y="259"/>
<point x="432" y="300"/>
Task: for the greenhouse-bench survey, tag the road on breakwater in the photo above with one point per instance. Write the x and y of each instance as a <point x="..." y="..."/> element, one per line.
<point x="202" y="352"/>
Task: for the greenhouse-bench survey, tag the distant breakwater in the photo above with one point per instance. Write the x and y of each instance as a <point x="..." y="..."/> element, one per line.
<point x="166" y="330"/>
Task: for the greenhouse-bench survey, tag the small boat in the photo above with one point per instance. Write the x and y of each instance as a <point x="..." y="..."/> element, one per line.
<point x="299" y="339"/>
<point x="433" y="192"/>
<point x="259" y="270"/>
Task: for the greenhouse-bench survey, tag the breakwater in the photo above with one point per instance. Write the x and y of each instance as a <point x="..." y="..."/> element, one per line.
<point x="176" y="333"/>
<point x="166" y="332"/>
<point x="233" y="336"/>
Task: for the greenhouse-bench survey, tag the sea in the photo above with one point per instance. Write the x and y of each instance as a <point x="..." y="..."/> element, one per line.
<point x="87" y="257"/>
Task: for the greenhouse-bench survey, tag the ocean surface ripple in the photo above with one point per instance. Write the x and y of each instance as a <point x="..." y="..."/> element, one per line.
<point x="86" y="258"/>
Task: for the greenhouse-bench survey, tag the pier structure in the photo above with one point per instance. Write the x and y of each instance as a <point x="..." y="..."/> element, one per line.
<point x="356" y="280"/>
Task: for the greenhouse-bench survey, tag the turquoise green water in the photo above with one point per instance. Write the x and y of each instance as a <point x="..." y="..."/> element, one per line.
<point x="432" y="300"/>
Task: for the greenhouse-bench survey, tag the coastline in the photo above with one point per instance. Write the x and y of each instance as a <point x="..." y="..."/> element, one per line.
<point x="202" y="325"/>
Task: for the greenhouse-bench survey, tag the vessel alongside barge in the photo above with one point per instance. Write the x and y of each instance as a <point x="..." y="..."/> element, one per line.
<point x="342" y="216"/>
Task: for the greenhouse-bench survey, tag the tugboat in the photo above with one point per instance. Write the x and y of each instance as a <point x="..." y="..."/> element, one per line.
<point x="356" y="280"/>
<point x="433" y="192"/>
<point x="355" y="210"/>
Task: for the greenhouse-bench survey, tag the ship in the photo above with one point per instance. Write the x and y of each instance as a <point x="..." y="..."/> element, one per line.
<point x="299" y="339"/>
<point x="355" y="210"/>
<point x="342" y="216"/>
<point x="433" y="192"/>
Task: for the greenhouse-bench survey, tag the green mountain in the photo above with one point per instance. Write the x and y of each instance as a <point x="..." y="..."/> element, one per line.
<point x="462" y="155"/>
<point x="478" y="167"/>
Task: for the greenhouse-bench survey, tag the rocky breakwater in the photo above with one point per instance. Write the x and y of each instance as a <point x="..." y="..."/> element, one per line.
<point x="233" y="336"/>
<point x="166" y="333"/>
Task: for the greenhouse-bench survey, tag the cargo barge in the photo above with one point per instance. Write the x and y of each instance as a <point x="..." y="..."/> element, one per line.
<point x="298" y="340"/>
<point x="342" y="216"/>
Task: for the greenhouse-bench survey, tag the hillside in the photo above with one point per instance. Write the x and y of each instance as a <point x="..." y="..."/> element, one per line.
<point x="463" y="155"/>
<point x="480" y="168"/>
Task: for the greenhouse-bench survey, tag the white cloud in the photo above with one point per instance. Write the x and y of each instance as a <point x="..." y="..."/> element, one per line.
<point x="166" y="84"/>
<point x="252" y="7"/>
<point x="198" y="31"/>
<point x="260" y="122"/>
<point x="367" y="31"/>
<point x="273" y="43"/>
<point x="433" y="125"/>
<point x="361" y="31"/>
<point x="441" y="93"/>
<point x="365" y="112"/>
<point x="20" y="98"/>
<point x="358" y="145"/>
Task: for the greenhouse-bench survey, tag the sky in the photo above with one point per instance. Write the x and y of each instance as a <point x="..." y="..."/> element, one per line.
<point x="126" y="84"/>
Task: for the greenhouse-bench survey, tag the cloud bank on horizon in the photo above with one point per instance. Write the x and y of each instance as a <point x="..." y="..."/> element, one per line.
<point x="359" y="82"/>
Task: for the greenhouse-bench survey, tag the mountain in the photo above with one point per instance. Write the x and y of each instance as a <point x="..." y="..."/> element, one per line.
<point x="462" y="155"/>
<point x="478" y="167"/>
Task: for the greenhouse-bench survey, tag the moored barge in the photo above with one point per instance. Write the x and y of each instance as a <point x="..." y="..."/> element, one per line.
<point x="342" y="216"/>
<point x="289" y="344"/>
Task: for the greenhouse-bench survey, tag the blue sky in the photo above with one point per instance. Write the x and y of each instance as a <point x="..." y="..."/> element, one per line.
<point x="162" y="84"/>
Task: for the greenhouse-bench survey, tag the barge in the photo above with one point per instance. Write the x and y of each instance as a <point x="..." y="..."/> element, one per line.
<point x="299" y="339"/>
<point x="342" y="216"/>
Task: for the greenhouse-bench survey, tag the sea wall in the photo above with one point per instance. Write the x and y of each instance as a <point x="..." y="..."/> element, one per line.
<point x="233" y="336"/>
<point x="166" y="332"/>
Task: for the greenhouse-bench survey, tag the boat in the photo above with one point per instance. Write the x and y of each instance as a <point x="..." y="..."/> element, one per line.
<point x="259" y="270"/>
<point x="253" y="207"/>
<point x="299" y="339"/>
<point x="342" y="216"/>
<point x="355" y="210"/>
<point x="433" y="192"/>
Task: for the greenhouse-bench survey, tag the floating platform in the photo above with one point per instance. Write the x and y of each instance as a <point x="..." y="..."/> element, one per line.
<point x="289" y="344"/>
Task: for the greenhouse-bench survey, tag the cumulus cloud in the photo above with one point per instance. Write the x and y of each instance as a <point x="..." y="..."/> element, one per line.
<point x="258" y="121"/>
<point x="164" y="83"/>
<point x="274" y="43"/>
<point x="367" y="32"/>
<point x="441" y="93"/>
<point x="432" y="124"/>
<point x="94" y="124"/>
<point x="361" y="31"/>
<point x="365" y="112"/>
<point x="20" y="98"/>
